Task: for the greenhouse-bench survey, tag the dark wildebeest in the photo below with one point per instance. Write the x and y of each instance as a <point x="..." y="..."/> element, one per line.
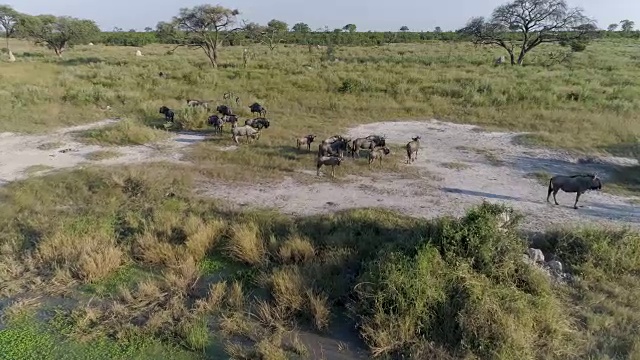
<point x="258" y="123"/>
<point x="306" y="140"/>
<point x="332" y="161"/>
<point x="168" y="113"/>
<point x="578" y="184"/>
<point x="412" y="149"/>
<point x="224" y="110"/>
<point x="247" y="131"/>
<point x="335" y="148"/>
<point x="216" y="122"/>
<point x="233" y="120"/>
<point x="369" y="143"/>
<point x="259" y="109"/>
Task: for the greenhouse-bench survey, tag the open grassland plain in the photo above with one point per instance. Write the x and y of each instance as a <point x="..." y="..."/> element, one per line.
<point x="138" y="250"/>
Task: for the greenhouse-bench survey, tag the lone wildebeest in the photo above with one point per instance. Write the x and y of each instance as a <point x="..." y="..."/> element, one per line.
<point x="259" y="109"/>
<point x="578" y="184"/>
<point x="412" y="149"/>
<point x="168" y="113"/>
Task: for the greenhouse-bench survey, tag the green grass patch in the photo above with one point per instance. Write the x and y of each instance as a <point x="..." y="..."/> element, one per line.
<point x="34" y="169"/>
<point x="102" y="155"/>
<point x="125" y="132"/>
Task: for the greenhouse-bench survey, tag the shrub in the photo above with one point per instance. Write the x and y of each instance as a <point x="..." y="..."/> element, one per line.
<point x="296" y="250"/>
<point x="245" y="244"/>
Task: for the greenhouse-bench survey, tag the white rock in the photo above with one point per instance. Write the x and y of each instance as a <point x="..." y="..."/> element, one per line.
<point x="501" y="60"/>
<point x="90" y="44"/>
<point x="138" y="53"/>
<point x="555" y="266"/>
<point x="11" y="57"/>
<point x="536" y="255"/>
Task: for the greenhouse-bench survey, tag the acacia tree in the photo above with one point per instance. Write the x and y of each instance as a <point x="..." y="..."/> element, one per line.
<point x="301" y="28"/>
<point x="522" y="25"/>
<point x="350" y="28"/>
<point x="627" y="25"/>
<point x="612" y="27"/>
<point x="203" y="26"/>
<point x="404" y="28"/>
<point x="57" y="33"/>
<point x="8" y="21"/>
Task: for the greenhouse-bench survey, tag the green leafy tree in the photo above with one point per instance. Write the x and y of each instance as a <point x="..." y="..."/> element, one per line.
<point x="405" y="28"/>
<point x="277" y="26"/>
<point x="203" y="26"/>
<point x="148" y="29"/>
<point x="301" y="28"/>
<point x="522" y="25"/>
<point x="57" y="33"/>
<point x="438" y="30"/>
<point x="8" y="21"/>
<point x="350" y="28"/>
<point x="612" y="27"/>
<point x="627" y="25"/>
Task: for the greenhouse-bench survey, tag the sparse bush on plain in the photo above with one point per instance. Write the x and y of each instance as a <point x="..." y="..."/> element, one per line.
<point x="246" y="245"/>
<point x="296" y="250"/>
<point x="125" y="132"/>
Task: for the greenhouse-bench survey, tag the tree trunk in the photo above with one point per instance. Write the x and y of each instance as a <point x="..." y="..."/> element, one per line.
<point x="521" y="57"/>
<point x="512" y="57"/>
<point x="7" y="38"/>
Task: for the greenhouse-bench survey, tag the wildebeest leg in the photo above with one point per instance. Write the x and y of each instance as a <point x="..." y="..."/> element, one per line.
<point x="549" y="193"/>
<point x="235" y="139"/>
<point x="380" y="161"/>
<point x="575" y="205"/>
<point x="555" y="191"/>
<point x="333" y="169"/>
<point x="318" y="170"/>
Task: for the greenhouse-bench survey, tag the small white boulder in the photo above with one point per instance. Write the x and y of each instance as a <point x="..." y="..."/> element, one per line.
<point x="555" y="266"/>
<point x="11" y="57"/>
<point x="138" y="53"/>
<point x="536" y="255"/>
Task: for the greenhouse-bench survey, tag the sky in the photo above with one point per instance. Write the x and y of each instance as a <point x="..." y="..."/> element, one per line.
<point x="381" y="15"/>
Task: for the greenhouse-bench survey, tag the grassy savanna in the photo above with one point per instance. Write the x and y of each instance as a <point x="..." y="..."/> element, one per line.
<point x="154" y="270"/>
<point x="129" y="259"/>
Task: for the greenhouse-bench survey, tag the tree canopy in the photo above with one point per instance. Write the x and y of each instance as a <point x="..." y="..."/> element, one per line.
<point x="301" y="28"/>
<point x="524" y="24"/>
<point x="8" y="21"/>
<point x="277" y="26"/>
<point x="350" y="28"/>
<point x="203" y="26"/>
<point x="57" y="33"/>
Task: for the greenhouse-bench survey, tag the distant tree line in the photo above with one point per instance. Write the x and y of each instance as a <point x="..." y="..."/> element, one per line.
<point x="517" y="27"/>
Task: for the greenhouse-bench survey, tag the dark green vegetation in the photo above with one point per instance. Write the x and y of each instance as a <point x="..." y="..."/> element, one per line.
<point x="154" y="270"/>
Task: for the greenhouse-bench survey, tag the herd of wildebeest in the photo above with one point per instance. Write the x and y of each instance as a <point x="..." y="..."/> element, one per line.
<point x="331" y="151"/>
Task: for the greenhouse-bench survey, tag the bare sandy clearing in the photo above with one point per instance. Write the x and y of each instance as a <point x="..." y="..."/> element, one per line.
<point x="21" y="154"/>
<point x="491" y="167"/>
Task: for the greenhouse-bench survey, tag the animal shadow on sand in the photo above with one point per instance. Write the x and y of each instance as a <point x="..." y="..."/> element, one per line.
<point x="529" y="164"/>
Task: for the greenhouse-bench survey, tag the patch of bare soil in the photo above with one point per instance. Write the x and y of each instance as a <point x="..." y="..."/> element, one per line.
<point x="491" y="166"/>
<point x="20" y="154"/>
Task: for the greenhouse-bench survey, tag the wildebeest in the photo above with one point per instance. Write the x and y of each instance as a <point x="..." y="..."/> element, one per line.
<point x="378" y="153"/>
<point x="306" y="140"/>
<point x="247" y="131"/>
<point x="259" y="109"/>
<point x="332" y="161"/>
<point x="232" y="119"/>
<point x="578" y="184"/>
<point x="335" y="148"/>
<point x="412" y="149"/>
<point x="369" y="143"/>
<point x="168" y="113"/>
<point x="224" y="110"/>
<point x="258" y="123"/>
<point x="216" y="122"/>
<point x="192" y="102"/>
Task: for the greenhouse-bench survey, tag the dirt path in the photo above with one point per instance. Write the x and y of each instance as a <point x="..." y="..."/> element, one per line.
<point x="462" y="165"/>
<point x="466" y="165"/>
<point x="25" y="155"/>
